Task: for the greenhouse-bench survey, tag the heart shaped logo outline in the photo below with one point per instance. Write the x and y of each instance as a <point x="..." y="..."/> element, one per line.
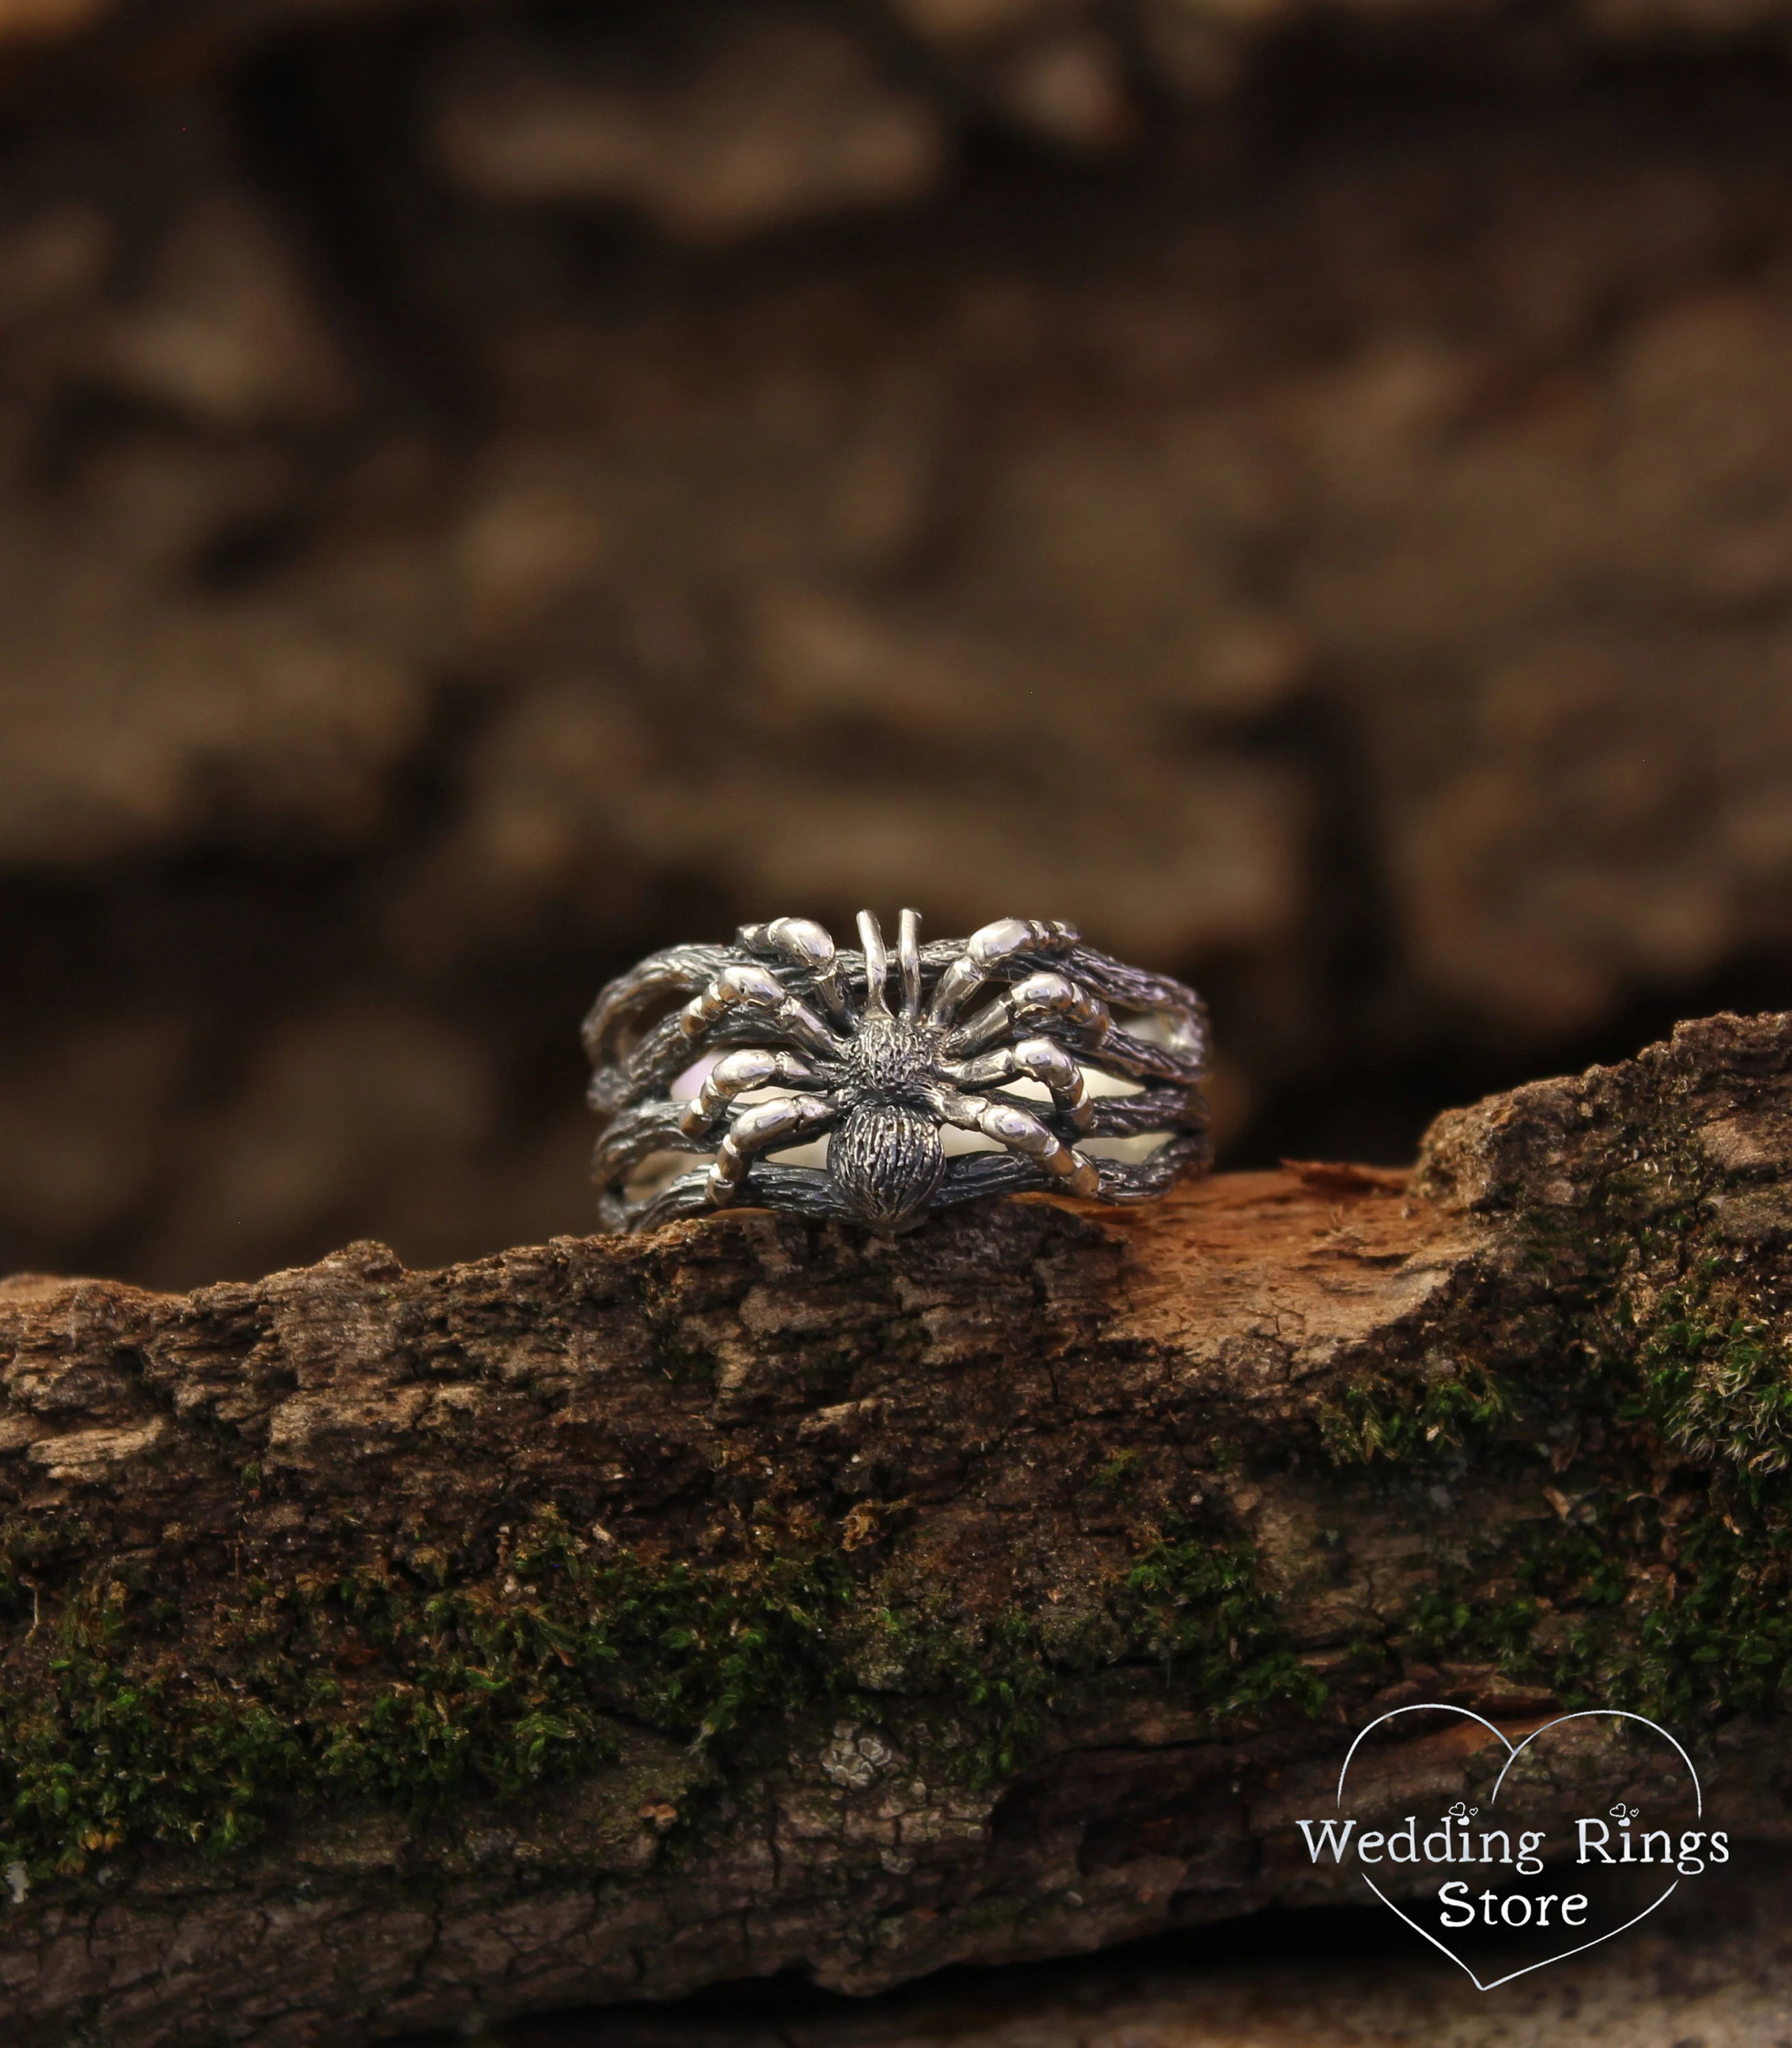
<point x="1514" y="1751"/>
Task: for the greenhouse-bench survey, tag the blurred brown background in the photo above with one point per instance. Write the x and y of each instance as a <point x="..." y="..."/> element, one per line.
<point x="486" y="490"/>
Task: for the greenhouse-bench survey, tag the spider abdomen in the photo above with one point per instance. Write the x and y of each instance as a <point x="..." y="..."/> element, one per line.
<point x="887" y="1161"/>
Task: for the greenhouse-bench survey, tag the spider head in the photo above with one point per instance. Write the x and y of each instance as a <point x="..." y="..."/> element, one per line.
<point x="891" y="1060"/>
<point x="887" y="1159"/>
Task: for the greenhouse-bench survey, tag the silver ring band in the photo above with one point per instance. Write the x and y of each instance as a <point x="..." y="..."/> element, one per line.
<point x="1017" y="1059"/>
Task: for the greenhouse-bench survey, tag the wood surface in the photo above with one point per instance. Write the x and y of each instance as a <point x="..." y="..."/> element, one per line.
<point x="383" y="1650"/>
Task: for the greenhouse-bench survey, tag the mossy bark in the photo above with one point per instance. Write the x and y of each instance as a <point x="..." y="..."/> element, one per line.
<point x="607" y="1618"/>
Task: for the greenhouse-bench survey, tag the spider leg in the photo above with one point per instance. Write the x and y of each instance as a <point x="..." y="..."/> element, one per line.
<point x="746" y="986"/>
<point x="1023" y="1133"/>
<point x="614" y="1029"/>
<point x="1041" y="1060"/>
<point x="752" y="1067"/>
<point x="1039" y="997"/>
<point x="985" y="952"/>
<point x="805" y="944"/>
<point x="755" y="1130"/>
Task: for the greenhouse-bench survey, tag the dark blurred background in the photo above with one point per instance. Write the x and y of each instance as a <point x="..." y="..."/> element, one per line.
<point x="487" y="490"/>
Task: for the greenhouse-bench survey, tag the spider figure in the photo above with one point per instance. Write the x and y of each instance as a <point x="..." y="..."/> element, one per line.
<point x="793" y="1040"/>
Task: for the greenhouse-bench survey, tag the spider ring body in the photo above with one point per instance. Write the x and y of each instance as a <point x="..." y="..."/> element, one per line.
<point x="746" y="1052"/>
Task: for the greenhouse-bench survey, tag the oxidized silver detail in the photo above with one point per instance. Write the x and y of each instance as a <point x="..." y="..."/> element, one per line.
<point x="744" y="1052"/>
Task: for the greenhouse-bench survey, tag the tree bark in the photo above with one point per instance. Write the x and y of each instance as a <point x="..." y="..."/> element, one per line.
<point x="607" y="1618"/>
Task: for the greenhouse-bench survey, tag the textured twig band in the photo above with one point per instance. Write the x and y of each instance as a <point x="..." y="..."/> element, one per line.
<point x="1071" y="1071"/>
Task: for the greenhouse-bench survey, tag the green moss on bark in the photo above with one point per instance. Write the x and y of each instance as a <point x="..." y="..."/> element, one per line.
<point x="1660" y="1393"/>
<point x="414" y="1685"/>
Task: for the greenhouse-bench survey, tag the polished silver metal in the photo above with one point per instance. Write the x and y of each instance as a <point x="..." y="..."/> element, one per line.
<point x="744" y="1052"/>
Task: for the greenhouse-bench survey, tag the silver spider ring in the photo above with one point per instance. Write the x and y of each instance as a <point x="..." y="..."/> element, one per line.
<point x="1018" y="1059"/>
